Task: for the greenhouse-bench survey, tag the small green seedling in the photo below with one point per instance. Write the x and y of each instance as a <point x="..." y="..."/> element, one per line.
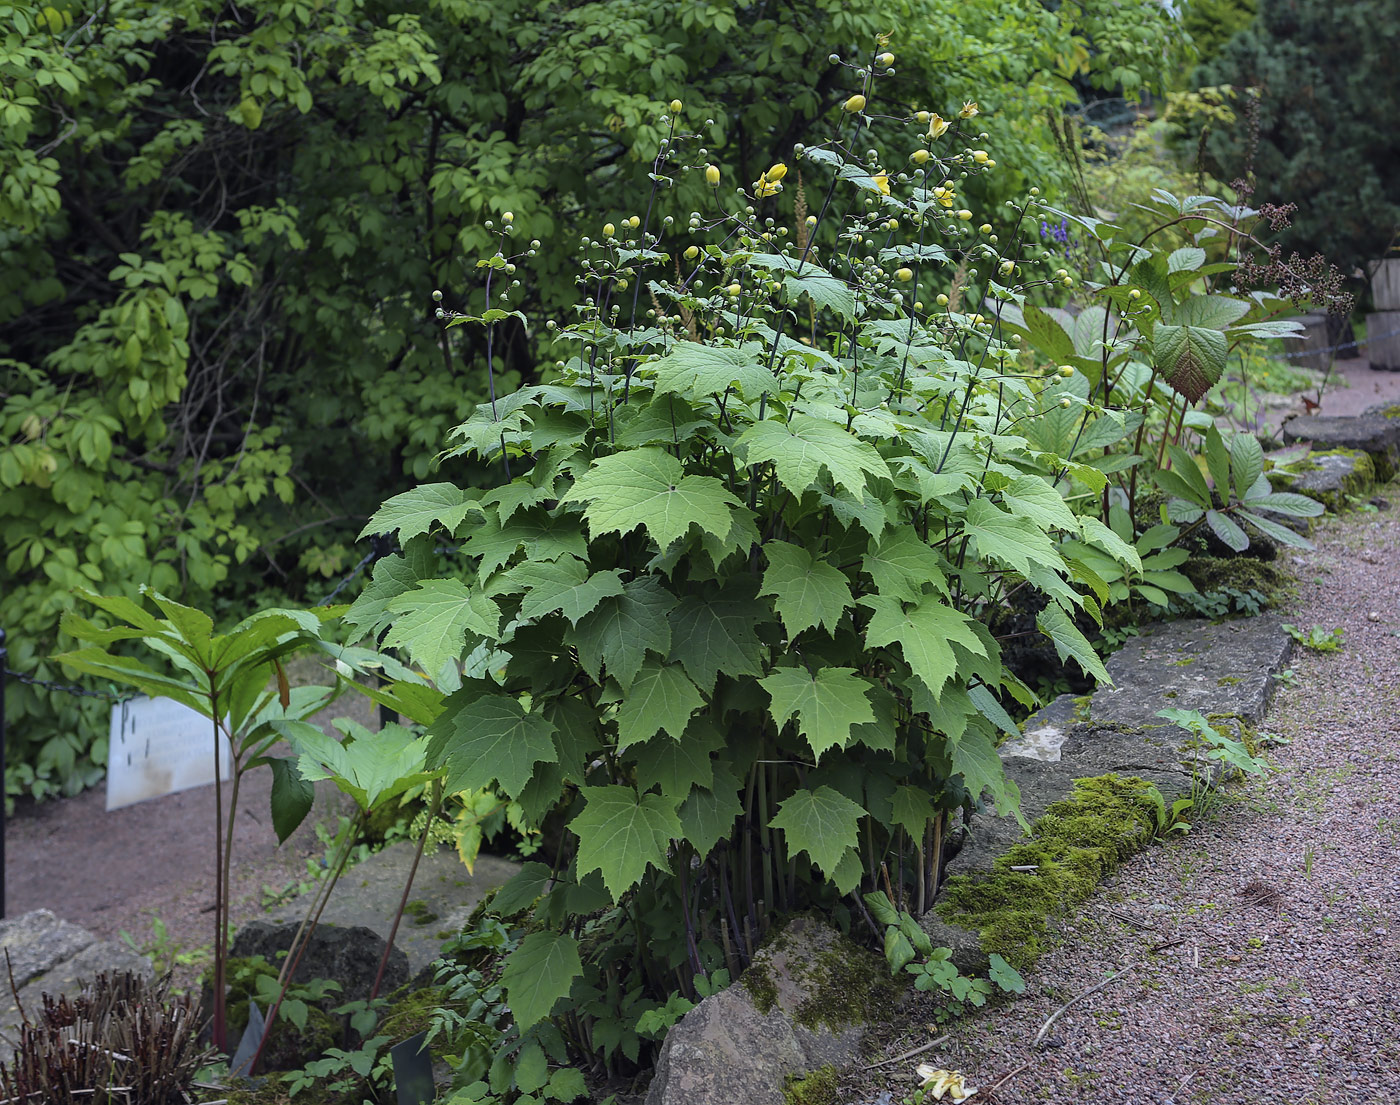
<point x="1317" y="639"/>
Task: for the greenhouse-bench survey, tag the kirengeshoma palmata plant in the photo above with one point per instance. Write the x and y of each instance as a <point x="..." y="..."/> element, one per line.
<point x="719" y="625"/>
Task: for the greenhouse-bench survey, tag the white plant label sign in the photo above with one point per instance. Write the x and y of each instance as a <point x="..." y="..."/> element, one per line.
<point x="158" y="746"/>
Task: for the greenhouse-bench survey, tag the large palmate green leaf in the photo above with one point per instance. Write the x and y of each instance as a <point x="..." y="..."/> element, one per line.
<point x="437" y="618"/>
<point x="564" y="585"/>
<point x="619" y="633"/>
<point x="690" y="368"/>
<point x="1014" y="540"/>
<point x="802" y="448"/>
<point x="925" y="634"/>
<point x="648" y="488"/>
<point x="826" y="703"/>
<point x="661" y="697"/>
<point x="489" y="739"/>
<point x="707" y="816"/>
<point x="415" y="511"/>
<point x="975" y="759"/>
<point x="822" y="823"/>
<point x="538" y="974"/>
<point x="622" y="833"/>
<point x="370" y="767"/>
<point x="806" y="592"/>
<point x="902" y="566"/>
<point x="710" y="636"/>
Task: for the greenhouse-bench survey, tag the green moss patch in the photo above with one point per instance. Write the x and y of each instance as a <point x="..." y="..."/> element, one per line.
<point x="817" y="1088"/>
<point x="1074" y="845"/>
<point x="1243" y="573"/>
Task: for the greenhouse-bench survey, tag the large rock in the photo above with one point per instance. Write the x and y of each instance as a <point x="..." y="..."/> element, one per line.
<point x="47" y="955"/>
<point x="797" y="1009"/>
<point x="355" y="924"/>
<point x="1330" y="478"/>
<point x="1372" y="433"/>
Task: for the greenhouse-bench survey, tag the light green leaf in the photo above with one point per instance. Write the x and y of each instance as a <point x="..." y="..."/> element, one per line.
<point x="661" y="697"/>
<point x="489" y="739"/>
<point x="1186" y="259"/>
<point x="1099" y="535"/>
<point x="1033" y="497"/>
<point x="822" y="823"/>
<point x="1070" y="643"/>
<point x="1015" y="541"/>
<point x="371" y="768"/>
<point x="991" y="709"/>
<point x="562" y="585"/>
<point x="646" y="487"/>
<point x="433" y="620"/>
<point x="825" y="290"/>
<point x="901" y="566"/>
<point x="620" y="834"/>
<point x="1247" y="458"/>
<point x="538" y="974"/>
<point x="924" y="634"/>
<point x="1211" y="312"/>
<point x="1218" y="463"/>
<point x="801" y="448"/>
<point x="691" y="369"/>
<point x="975" y="758"/>
<point x="133" y="673"/>
<point x="1228" y="530"/>
<point x="806" y="592"/>
<point x="1286" y="502"/>
<point x="618" y="634"/>
<point x="826" y="704"/>
<point x="913" y="810"/>
<point x="414" y="512"/>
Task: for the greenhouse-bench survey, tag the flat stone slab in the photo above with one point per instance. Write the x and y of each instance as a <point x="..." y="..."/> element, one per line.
<point x="443" y="896"/>
<point x="1332" y="478"/>
<point x="48" y="955"/>
<point x="1375" y="434"/>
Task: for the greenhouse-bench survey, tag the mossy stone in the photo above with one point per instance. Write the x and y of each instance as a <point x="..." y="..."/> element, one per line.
<point x="1243" y="573"/>
<point x="818" y="1088"/>
<point x="1074" y="844"/>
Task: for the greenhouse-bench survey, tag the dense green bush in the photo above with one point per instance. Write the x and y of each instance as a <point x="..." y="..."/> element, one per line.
<point x="217" y="225"/>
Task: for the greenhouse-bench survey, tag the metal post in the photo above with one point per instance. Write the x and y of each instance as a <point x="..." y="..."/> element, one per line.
<point x="4" y="793"/>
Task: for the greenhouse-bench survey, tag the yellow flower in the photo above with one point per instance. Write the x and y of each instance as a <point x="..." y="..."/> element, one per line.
<point x="979" y="156"/>
<point x="944" y="195"/>
<point x="969" y="109"/>
<point x="712" y="175"/>
<point x="882" y="182"/>
<point x="609" y="229"/>
<point x="940" y="1082"/>
<point x="885" y="59"/>
<point x="676" y="106"/>
<point x="855" y="103"/>
<point x="767" y="183"/>
<point x="919" y="156"/>
<point x="937" y="125"/>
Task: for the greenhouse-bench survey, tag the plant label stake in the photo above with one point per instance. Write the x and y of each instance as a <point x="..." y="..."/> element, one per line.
<point x="413" y="1071"/>
<point x="242" y="1062"/>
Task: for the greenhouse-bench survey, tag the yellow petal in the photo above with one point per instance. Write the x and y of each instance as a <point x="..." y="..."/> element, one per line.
<point x="882" y="182"/>
<point x="936" y="125"/>
<point x="969" y="109"/>
<point x="777" y="172"/>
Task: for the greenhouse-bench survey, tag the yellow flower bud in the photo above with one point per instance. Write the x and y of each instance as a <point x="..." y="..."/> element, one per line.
<point x="979" y="156"/>
<point x="919" y="156"/>
<point x="1135" y="294"/>
<point x="893" y="224"/>
<point x="734" y="289"/>
<point x="941" y="299"/>
<point x="965" y="215"/>
<point x="1066" y="370"/>
<point x="1061" y="273"/>
<point x="1065" y="401"/>
<point x="991" y="164"/>
<point x="811" y="220"/>
<point x="918" y="304"/>
<point x="1008" y="267"/>
<point x="712" y="175"/>
<point x="609" y="230"/>
<point x="634" y="222"/>
<point x="507" y="217"/>
<point x="1068" y="281"/>
<point x="921" y="116"/>
<point x="676" y="105"/>
<point x="904" y="275"/>
<point x="985" y="228"/>
<point x="692" y="252"/>
<point x="885" y="59"/>
<point x="937" y="125"/>
<point x="855" y="103"/>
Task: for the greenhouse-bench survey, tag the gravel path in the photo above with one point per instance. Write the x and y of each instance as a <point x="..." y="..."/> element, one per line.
<point x="1277" y="920"/>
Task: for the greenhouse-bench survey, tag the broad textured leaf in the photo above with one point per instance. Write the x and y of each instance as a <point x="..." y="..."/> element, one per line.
<point x="414" y="512"/>
<point x="133" y="673"/>
<point x="1184" y="465"/>
<point x="902" y="566"/>
<point x="710" y="636"/>
<point x="1033" y="497"/>
<point x="1047" y="335"/>
<point x="1286" y="502"/>
<point x="546" y="536"/>
<point x="371" y="768"/>
<point x="822" y="823"/>
<point x="391" y="577"/>
<point x="1211" y="312"/>
<point x="523" y="889"/>
<point x="433" y="621"/>
<point x="621" y="833"/>
<point x="806" y="592"/>
<point x="1186" y="259"/>
<point x="1282" y="534"/>
<point x="690" y="368"/>
<point x="1015" y="541"/>
<point x="538" y="973"/>
<point x="677" y="766"/>
<point x="708" y="815"/>
<point x="490" y="739"/>
<point x="826" y="703"/>
<point x="1098" y="534"/>
<point x="646" y="487"/>
<point x="194" y="629"/>
<point x="292" y="797"/>
<point x="802" y="448"/>
<point x="975" y="759"/>
<point x="563" y="585"/>
<point x="1218" y="463"/>
<point x="618" y="634"/>
<point x="924" y="634"/>
<point x="826" y="291"/>
<point x="913" y="809"/>
<point x="661" y="697"/>
<point x="1190" y="358"/>
<point x="1070" y="643"/>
